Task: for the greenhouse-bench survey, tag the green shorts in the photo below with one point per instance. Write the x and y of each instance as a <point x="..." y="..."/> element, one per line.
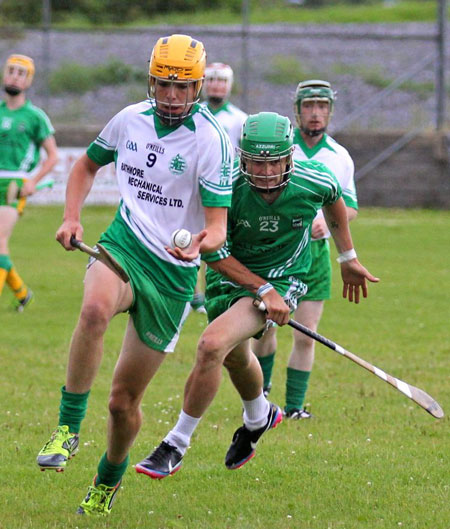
<point x="318" y="278"/>
<point x="221" y="293"/>
<point x="18" y="204"/>
<point x="157" y="317"/>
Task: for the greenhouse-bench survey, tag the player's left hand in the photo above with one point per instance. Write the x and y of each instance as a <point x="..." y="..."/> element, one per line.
<point x="319" y="228"/>
<point x="192" y="251"/>
<point x="355" y="278"/>
<point x="28" y="188"/>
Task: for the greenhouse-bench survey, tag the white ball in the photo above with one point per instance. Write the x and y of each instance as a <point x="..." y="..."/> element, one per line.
<point x="181" y="239"/>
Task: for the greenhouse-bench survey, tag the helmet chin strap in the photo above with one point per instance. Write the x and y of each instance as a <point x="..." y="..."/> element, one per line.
<point x="313" y="133"/>
<point x="170" y="119"/>
<point x="12" y="90"/>
<point x="216" y="100"/>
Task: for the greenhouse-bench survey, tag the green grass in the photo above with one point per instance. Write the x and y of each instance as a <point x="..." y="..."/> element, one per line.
<point x="370" y="460"/>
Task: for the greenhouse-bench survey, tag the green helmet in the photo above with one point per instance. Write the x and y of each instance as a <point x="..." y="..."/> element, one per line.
<point x="313" y="90"/>
<point x="266" y="137"/>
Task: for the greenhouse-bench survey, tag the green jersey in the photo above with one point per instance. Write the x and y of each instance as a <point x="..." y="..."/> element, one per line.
<point x="273" y="240"/>
<point x="22" y="132"/>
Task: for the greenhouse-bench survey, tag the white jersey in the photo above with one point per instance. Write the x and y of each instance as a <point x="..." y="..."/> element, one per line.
<point x="336" y="158"/>
<point x="166" y="175"/>
<point x="231" y="118"/>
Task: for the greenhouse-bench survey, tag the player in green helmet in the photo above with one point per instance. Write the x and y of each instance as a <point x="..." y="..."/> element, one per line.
<point x="313" y="106"/>
<point x="266" y="255"/>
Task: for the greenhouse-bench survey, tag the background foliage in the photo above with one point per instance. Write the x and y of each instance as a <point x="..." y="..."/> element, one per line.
<point x="140" y="12"/>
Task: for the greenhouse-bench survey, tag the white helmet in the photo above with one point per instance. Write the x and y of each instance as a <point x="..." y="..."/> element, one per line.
<point x="218" y="80"/>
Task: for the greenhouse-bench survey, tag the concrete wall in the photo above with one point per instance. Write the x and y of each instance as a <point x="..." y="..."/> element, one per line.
<point x="416" y="176"/>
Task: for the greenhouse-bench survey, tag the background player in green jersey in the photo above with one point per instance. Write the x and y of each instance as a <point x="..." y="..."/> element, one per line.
<point x="267" y="254"/>
<point x="173" y="168"/>
<point x="24" y="129"/>
<point x="313" y="105"/>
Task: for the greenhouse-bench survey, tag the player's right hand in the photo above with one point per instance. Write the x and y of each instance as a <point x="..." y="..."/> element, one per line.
<point x="66" y="231"/>
<point x="276" y="308"/>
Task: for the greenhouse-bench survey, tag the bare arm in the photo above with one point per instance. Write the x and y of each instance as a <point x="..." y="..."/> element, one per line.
<point x="208" y="240"/>
<point x="319" y="228"/>
<point x="354" y="275"/>
<point x="79" y="184"/>
<point x="277" y="310"/>
<point x="47" y="165"/>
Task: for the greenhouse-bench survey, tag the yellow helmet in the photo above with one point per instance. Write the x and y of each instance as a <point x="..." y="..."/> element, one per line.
<point x="177" y="59"/>
<point x="23" y="61"/>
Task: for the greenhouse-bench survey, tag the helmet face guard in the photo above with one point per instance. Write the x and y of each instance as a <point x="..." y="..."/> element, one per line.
<point x="272" y="172"/>
<point x="176" y="73"/>
<point x="167" y="110"/>
<point x="314" y="91"/>
<point x="218" y="82"/>
<point x="266" y="151"/>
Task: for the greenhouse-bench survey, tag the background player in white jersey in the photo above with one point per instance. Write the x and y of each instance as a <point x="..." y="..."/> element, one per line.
<point x="218" y="85"/>
<point x="313" y="106"/>
<point x="24" y="129"/>
<point x="267" y="253"/>
<point x="217" y="88"/>
<point x="173" y="166"/>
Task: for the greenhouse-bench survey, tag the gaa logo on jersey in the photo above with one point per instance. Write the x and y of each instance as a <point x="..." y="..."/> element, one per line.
<point x="178" y="165"/>
<point x="225" y="174"/>
<point x="131" y="145"/>
<point x="297" y="223"/>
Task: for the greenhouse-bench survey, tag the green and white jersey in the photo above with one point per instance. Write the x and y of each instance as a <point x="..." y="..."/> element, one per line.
<point x="329" y="152"/>
<point x="166" y="174"/>
<point x="273" y="240"/>
<point x="22" y="132"/>
<point x="231" y="118"/>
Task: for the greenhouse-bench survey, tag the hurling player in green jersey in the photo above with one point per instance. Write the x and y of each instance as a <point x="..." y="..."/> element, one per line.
<point x="24" y="129"/>
<point x="266" y="256"/>
<point x="313" y="104"/>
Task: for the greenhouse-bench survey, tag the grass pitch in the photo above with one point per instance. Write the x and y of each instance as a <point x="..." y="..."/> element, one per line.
<point x="370" y="459"/>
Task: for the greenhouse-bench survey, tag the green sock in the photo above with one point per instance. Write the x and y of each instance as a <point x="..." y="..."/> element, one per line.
<point x="296" y="386"/>
<point x="110" y="474"/>
<point x="72" y="409"/>
<point x="266" y="363"/>
<point x="5" y="267"/>
<point x="5" y="262"/>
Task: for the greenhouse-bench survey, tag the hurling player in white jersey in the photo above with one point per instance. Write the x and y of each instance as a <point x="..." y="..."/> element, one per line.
<point x="173" y="165"/>
<point x="313" y="106"/>
<point x="218" y="85"/>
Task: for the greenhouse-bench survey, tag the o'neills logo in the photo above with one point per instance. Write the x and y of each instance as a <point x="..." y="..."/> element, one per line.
<point x="265" y="146"/>
<point x="297" y="223"/>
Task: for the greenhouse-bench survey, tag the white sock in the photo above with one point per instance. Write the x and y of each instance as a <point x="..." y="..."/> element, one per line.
<point x="256" y="412"/>
<point x="180" y="435"/>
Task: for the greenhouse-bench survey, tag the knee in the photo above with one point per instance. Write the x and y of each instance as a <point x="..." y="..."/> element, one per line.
<point x="209" y="351"/>
<point x="94" y="317"/>
<point x="302" y="342"/>
<point x="122" y="403"/>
